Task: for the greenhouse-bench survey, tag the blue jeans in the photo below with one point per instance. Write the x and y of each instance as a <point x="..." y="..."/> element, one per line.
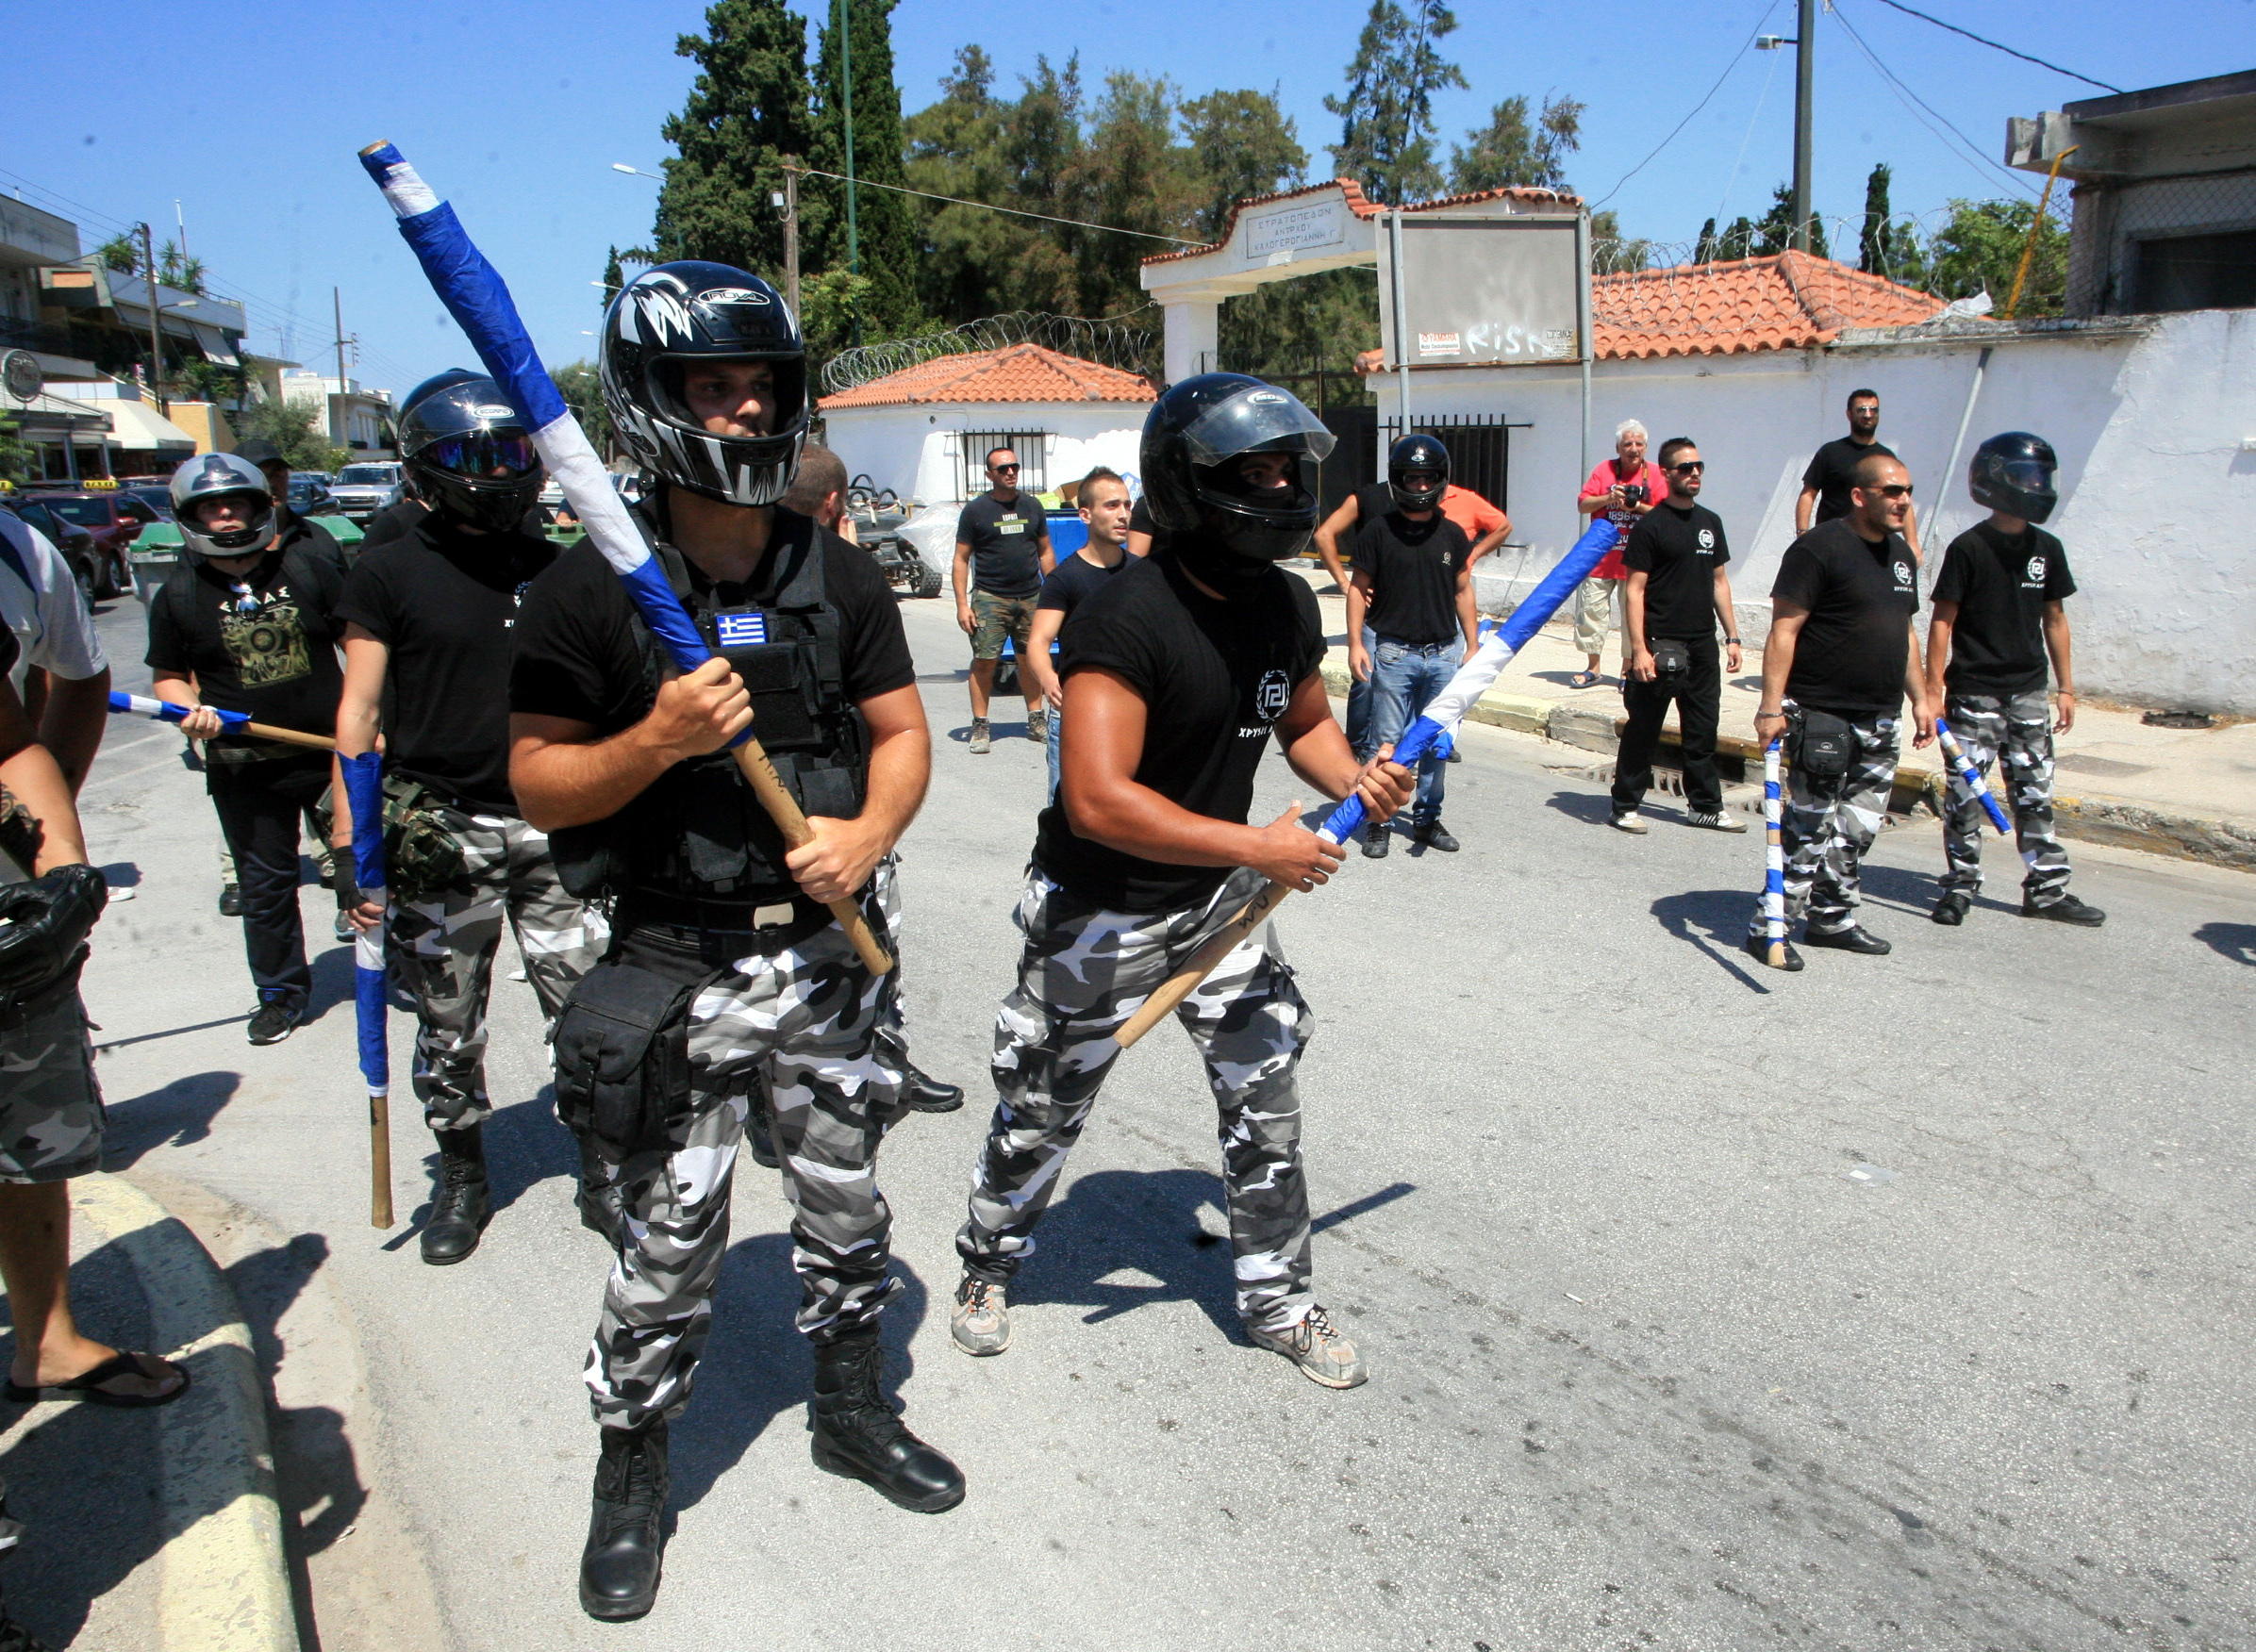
<point x="1359" y="739"/>
<point x="1403" y="676"/>
<point x="1056" y="721"/>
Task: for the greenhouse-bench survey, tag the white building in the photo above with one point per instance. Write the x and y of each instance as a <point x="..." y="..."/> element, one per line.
<point x="355" y="418"/>
<point x="924" y="431"/>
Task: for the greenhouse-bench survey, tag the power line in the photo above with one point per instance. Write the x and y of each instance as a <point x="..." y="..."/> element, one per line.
<point x="1995" y="47"/>
<point x="862" y="183"/>
<point x="2013" y="178"/>
<point x="1696" y="109"/>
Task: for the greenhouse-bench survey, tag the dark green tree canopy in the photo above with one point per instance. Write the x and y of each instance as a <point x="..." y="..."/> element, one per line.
<point x="747" y="109"/>
<point x="1512" y="151"/>
<point x="882" y="246"/>
<point x="1386" y="117"/>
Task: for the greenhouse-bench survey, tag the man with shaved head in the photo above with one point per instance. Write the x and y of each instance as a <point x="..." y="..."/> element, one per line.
<point x="1840" y="660"/>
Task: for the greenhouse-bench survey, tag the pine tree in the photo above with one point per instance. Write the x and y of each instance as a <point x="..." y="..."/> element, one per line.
<point x="882" y="238"/>
<point x="1386" y="118"/>
<point x="1775" y="234"/>
<point x="1241" y="144"/>
<point x="1512" y="151"/>
<point x="1704" y="250"/>
<point x="747" y="109"/>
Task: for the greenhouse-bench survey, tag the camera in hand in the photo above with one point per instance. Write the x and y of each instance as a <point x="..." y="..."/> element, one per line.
<point x="1633" y="494"/>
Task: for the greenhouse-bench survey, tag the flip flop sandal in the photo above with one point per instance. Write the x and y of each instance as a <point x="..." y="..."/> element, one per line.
<point x="86" y="1386"/>
<point x="1582" y="680"/>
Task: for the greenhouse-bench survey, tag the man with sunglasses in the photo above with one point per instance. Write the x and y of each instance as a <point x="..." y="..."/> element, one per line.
<point x="1676" y="592"/>
<point x="427" y="625"/>
<point x="1002" y="557"/>
<point x="1840" y="660"/>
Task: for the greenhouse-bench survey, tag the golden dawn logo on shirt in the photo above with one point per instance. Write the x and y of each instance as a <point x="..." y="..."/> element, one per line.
<point x="266" y="640"/>
<point x="2035" y="582"/>
<point x="1906" y="579"/>
<point x="1272" y="695"/>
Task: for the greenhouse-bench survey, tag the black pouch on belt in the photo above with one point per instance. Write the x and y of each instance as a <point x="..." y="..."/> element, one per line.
<point x="1824" y="745"/>
<point x="622" y="1055"/>
<point x="1672" y="659"/>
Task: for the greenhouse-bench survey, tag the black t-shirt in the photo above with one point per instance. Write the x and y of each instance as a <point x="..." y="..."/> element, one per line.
<point x="394" y="521"/>
<point x="2000" y="584"/>
<point x="1413" y="570"/>
<point x="443" y="601"/>
<point x="1677" y="552"/>
<point x="316" y="539"/>
<point x="1832" y="473"/>
<point x="269" y="649"/>
<point x="1214" y="676"/>
<point x="1139" y="519"/>
<point x="1853" y="647"/>
<point x="1075" y="578"/>
<point x="578" y="648"/>
<point x="1006" y="540"/>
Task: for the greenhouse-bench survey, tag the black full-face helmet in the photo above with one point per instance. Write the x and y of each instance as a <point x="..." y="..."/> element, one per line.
<point x="2013" y="473"/>
<point x="1194" y="440"/>
<point x="1418" y="453"/>
<point x="438" y="381"/>
<point x="669" y="320"/>
<point x="471" y="455"/>
<point x="208" y="476"/>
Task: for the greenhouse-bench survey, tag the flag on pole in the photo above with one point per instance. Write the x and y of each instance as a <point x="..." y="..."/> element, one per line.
<point x="1963" y="770"/>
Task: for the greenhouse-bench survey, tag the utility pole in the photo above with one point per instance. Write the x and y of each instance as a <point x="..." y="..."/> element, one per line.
<point x="336" y="423"/>
<point x="183" y="223"/>
<point x="854" y="242"/>
<point x="790" y="203"/>
<point x="156" y="345"/>
<point x="1805" y="64"/>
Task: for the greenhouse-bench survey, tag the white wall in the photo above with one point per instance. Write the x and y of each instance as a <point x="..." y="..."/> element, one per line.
<point x="912" y="450"/>
<point x="2158" y="508"/>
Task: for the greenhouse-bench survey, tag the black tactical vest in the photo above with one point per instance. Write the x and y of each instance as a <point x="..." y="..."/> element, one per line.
<point x="698" y="831"/>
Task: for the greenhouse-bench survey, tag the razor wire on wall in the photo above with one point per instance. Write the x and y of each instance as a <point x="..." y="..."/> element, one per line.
<point x="1112" y="344"/>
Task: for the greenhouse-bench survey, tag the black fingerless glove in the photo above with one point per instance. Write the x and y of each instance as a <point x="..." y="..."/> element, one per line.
<point x="342" y="880"/>
<point x="47" y="922"/>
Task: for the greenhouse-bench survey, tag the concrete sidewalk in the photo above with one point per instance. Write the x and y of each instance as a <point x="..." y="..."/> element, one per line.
<point x="2184" y="792"/>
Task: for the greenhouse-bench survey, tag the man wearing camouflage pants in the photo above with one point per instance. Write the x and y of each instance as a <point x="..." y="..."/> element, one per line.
<point x="1176" y="673"/>
<point x="1998" y="614"/>
<point x="1839" y="661"/>
<point x="426" y="645"/>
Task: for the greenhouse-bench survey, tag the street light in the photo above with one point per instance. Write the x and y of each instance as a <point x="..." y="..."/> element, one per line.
<point x="635" y="171"/>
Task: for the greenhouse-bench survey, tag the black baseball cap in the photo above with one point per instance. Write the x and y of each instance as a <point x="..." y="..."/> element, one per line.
<point x="259" y="452"/>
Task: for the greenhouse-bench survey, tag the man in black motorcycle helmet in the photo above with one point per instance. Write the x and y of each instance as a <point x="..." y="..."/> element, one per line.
<point x="1175" y="674"/>
<point x="738" y="979"/>
<point x="426" y="642"/>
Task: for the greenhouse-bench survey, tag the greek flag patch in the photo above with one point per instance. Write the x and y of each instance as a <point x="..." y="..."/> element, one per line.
<point x="741" y="630"/>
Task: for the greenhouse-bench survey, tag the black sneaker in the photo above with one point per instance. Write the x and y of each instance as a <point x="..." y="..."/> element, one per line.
<point x="273" y="1021"/>
<point x="1853" y="939"/>
<point x="1952" y="908"/>
<point x="1376" y="841"/>
<point x="1434" y="835"/>
<point x="2067" y="909"/>
<point x="231" y="901"/>
<point x="1758" y="947"/>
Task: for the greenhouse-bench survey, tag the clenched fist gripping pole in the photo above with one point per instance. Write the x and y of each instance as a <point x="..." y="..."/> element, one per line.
<point x="475" y="296"/>
<point x="1433" y="727"/>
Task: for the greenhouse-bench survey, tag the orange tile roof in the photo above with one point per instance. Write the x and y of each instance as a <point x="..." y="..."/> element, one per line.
<point x="1790" y="301"/>
<point x="1018" y="372"/>
<point x="1363" y="205"/>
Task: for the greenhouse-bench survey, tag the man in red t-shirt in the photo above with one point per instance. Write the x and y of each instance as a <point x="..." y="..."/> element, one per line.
<point x="1622" y="488"/>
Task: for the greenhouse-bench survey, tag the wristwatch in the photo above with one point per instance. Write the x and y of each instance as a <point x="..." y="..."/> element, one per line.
<point x="1734" y="642"/>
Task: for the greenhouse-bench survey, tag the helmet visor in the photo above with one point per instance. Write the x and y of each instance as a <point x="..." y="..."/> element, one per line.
<point x="500" y="455"/>
<point x="1258" y="419"/>
<point x="2028" y="475"/>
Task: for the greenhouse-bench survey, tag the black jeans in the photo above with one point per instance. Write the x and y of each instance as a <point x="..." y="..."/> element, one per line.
<point x="259" y="804"/>
<point x="1699" y="696"/>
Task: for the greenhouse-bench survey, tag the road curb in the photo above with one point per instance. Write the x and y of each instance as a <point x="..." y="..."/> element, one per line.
<point x="2088" y="820"/>
<point x="224" y="1585"/>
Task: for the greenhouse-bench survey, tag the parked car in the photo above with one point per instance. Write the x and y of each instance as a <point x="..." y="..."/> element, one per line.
<point x="75" y="542"/>
<point x="361" y="491"/>
<point x="114" y="518"/>
<point x="310" y="497"/>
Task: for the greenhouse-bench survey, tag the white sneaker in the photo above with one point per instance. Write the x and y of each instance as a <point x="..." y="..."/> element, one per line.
<point x="1628" y="820"/>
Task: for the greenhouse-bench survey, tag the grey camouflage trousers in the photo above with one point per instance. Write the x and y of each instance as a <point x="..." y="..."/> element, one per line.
<point x="805" y="1021"/>
<point x="1826" y="825"/>
<point x="2016" y="732"/>
<point x="444" y="947"/>
<point x="51" y="1119"/>
<point x="1083" y="971"/>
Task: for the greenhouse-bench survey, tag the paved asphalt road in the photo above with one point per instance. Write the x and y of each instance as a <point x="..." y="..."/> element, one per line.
<point x="1901" y="1303"/>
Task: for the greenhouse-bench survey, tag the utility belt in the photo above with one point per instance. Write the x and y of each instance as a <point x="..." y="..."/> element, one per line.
<point x="422" y="857"/>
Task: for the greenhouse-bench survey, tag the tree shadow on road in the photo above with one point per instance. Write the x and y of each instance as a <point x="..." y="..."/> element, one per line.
<point x="1715" y="921"/>
<point x="177" y="1115"/>
<point x="2236" y="941"/>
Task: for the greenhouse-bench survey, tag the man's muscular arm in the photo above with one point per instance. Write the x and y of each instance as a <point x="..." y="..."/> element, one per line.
<point x="564" y="774"/>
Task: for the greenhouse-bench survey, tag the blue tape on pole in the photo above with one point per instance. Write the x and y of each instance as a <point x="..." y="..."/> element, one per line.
<point x="1971" y="777"/>
<point x="662" y="612"/>
<point x="168" y="711"/>
<point x="364" y="795"/>
<point x="1536" y="610"/>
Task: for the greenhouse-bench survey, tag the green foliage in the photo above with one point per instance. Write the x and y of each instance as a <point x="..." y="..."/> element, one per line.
<point x="1386" y="118"/>
<point x="1296" y="326"/>
<point x="884" y="222"/>
<point x="15" y="458"/>
<point x="747" y="109"/>
<point x="1888" y="246"/>
<point x="177" y="271"/>
<point x="834" y="306"/>
<point x="295" y="428"/>
<point x="1979" y="248"/>
<point x="1704" y="250"/>
<point x="1242" y="144"/>
<point x="581" y="386"/>
<point x="199" y="380"/>
<point x="121" y="255"/>
<point x="1510" y="151"/>
<point x="1775" y="233"/>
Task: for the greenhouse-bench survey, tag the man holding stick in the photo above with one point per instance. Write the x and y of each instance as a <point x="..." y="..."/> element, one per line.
<point x="1175" y="674"/>
<point x="727" y="968"/>
<point x="248" y="623"/>
<point x="1840" y="659"/>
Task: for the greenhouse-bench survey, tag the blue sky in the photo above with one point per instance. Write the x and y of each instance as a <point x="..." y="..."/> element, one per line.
<point x="249" y="115"/>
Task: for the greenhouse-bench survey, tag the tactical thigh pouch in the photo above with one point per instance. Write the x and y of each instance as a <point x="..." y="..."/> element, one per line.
<point x="420" y="856"/>
<point x="622" y="1055"/>
<point x="1824" y="745"/>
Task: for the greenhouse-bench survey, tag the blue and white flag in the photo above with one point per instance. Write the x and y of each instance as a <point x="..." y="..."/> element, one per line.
<point x="166" y="711"/>
<point x="741" y="629"/>
<point x="364" y="795"/>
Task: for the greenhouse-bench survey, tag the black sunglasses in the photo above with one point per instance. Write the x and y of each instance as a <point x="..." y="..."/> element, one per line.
<point x="999" y="470"/>
<point x="1691" y="467"/>
<point x="1895" y="491"/>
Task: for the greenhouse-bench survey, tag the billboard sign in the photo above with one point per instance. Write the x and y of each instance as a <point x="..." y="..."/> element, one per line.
<point x="1496" y="291"/>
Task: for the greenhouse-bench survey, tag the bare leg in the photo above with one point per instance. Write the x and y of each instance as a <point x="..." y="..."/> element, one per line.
<point x="35" y="1260"/>
<point x="982" y="684"/>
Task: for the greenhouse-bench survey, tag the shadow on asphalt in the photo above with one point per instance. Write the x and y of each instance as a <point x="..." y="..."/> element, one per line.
<point x="2236" y="941"/>
<point x="1150" y="1222"/>
<point x="177" y="1116"/>
<point x="1593" y="808"/>
<point x="524" y="1147"/>
<point x="1715" y="921"/>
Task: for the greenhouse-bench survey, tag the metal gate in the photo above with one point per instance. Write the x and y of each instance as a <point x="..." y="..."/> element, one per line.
<point x="1480" y="448"/>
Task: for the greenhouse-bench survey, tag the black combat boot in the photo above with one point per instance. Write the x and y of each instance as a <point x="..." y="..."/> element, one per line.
<point x="459" y="1208"/>
<point x="856" y="1433"/>
<point x="626" y="1538"/>
<point x="927" y="1094"/>
<point x="599" y="1196"/>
